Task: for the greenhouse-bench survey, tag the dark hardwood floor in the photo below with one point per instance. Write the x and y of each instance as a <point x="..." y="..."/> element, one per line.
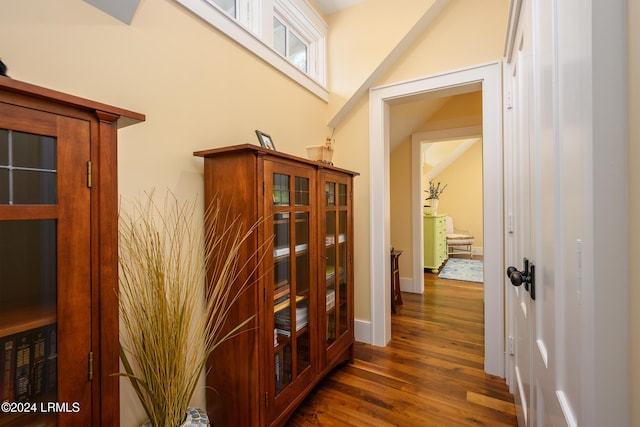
<point x="430" y="374"/>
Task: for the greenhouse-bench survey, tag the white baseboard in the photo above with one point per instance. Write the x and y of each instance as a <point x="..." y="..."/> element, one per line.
<point x="362" y="330"/>
<point x="407" y="285"/>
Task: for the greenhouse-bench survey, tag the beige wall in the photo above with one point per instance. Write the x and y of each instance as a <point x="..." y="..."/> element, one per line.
<point x="446" y="45"/>
<point x="462" y="199"/>
<point x="197" y="89"/>
<point x="460" y="111"/>
<point x="200" y="90"/>
<point x="401" y="205"/>
<point x="633" y="50"/>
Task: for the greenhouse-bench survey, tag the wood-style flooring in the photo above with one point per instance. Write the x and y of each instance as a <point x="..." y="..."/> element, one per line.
<point x="430" y="374"/>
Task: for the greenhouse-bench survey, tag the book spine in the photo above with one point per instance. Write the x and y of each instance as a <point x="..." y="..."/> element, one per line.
<point x="7" y="368"/>
<point x="38" y="365"/>
<point x="23" y="368"/>
<point x="51" y="363"/>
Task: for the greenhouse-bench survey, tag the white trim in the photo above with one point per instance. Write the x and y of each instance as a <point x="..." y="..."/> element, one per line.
<point x="252" y="42"/>
<point x="416" y="192"/>
<point x="407" y="284"/>
<point x="490" y="76"/>
<point x="362" y="331"/>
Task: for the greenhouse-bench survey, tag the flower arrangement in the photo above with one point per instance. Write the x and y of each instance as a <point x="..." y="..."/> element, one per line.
<point x="172" y="311"/>
<point x="434" y="190"/>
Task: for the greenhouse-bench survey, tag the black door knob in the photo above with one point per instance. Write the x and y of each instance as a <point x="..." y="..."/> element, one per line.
<point x="527" y="276"/>
<point x="515" y="276"/>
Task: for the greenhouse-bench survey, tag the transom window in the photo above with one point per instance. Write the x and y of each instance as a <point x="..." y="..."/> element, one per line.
<point x="289" y="45"/>
<point x="288" y="34"/>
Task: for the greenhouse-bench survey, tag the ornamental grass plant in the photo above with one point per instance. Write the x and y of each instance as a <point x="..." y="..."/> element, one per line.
<point x="177" y="284"/>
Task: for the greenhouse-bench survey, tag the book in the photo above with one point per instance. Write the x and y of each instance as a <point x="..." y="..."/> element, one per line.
<point x="278" y="252"/>
<point x="331" y="299"/>
<point x="51" y="362"/>
<point x="23" y="362"/>
<point x="7" y="368"/>
<point x="330" y="272"/>
<point x="38" y="365"/>
<point x="277" y="371"/>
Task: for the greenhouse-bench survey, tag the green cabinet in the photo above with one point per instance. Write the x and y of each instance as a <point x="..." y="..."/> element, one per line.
<point x="435" y="241"/>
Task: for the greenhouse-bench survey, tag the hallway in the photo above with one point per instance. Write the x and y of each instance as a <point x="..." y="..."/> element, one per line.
<point x="430" y="373"/>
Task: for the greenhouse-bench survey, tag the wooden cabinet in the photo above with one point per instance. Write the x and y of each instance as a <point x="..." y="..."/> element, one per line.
<point x="435" y="241"/>
<point x="302" y="294"/>
<point x="58" y="256"/>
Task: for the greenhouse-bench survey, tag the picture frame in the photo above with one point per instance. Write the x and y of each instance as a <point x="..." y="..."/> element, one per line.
<point x="265" y="140"/>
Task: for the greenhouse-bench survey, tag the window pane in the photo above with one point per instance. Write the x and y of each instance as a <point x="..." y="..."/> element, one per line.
<point x="27" y="168"/>
<point x="302" y="191"/>
<point x="297" y="52"/>
<point x="28" y="262"/>
<point x="4" y="147"/>
<point x="34" y="188"/>
<point x="33" y="151"/>
<point x="279" y="37"/>
<point x="280" y="189"/>
<point x="4" y="186"/>
<point x="28" y="293"/>
<point x="229" y="6"/>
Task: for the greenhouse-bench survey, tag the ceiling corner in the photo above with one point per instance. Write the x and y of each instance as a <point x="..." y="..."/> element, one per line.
<point x="123" y="10"/>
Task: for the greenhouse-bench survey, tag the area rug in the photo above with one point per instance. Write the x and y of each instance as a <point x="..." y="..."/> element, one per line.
<point x="469" y="270"/>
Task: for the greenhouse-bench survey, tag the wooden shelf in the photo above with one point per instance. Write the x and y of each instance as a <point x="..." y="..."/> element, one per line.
<point x="288" y="362"/>
<point x="285" y="304"/>
<point x="15" y="319"/>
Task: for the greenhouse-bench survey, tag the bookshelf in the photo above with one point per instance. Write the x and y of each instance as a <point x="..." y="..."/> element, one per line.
<point x="58" y="255"/>
<point x="268" y="369"/>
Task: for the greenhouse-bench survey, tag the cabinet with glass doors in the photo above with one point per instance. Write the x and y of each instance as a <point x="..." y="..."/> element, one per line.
<point x="265" y="372"/>
<point x="292" y="318"/>
<point x="337" y="271"/>
<point x="58" y="257"/>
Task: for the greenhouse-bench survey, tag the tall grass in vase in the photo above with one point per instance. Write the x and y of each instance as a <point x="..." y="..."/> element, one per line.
<point x="171" y="310"/>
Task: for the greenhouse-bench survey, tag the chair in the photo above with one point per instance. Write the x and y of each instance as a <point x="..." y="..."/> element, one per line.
<point x="458" y="242"/>
<point x="396" y="296"/>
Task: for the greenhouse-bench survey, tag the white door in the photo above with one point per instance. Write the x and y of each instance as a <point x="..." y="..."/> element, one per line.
<point x="564" y="149"/>
<point x="533" y="237"/>
<point x="518" y="195"/>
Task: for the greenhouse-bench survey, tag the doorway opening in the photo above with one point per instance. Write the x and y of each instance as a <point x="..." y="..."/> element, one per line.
<point x="488" y="79"/>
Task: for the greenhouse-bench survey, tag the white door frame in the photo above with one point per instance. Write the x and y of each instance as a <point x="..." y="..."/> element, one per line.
<point x="417" y="199"/>
<point x="490" y="76"/>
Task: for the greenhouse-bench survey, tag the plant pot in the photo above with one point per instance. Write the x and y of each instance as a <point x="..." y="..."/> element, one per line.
<point x="320" y="153"/>
<point x="194" y="417"/>
<point x="431" y="208"/>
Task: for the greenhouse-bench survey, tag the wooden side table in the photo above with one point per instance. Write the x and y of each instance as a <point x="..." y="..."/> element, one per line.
<point x="396" y="296"/>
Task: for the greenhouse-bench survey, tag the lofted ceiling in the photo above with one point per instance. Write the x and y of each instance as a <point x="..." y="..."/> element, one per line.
<point x="331" y="6"/>
<point x="410" y="115"/>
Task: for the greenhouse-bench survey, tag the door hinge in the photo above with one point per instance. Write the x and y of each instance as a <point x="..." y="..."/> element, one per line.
<point x="90" y="365"/>
<point x="511" y="346"/>
<point x="89" y="174"/>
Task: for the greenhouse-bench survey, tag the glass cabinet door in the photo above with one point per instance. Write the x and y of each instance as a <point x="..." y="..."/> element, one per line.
<point x="41" y="269"/>
<point x="291" y="278"/>
<point x="336" y="259"/>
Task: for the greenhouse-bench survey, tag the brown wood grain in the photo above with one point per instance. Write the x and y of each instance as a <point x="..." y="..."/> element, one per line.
<point x="87" y="307"/>
<point x="430" y="374"/>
